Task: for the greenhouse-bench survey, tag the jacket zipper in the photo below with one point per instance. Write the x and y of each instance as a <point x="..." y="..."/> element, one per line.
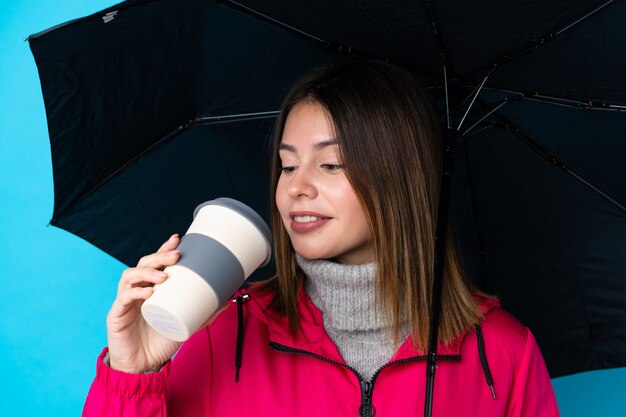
<point x="366" y="408"/>
<point x="367" y="387"/>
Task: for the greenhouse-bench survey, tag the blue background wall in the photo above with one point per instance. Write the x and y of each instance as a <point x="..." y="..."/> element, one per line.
<point x="56" y="289"/>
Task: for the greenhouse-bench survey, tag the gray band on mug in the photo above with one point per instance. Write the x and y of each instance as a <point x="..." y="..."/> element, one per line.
<point x="246" y="212"/>
<point x="213" y="262"/>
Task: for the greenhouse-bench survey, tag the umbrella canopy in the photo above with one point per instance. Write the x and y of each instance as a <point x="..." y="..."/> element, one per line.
<point x="156" y="106"/>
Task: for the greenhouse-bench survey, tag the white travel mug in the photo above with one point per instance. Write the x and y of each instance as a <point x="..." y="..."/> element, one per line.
<point x="225" y="243"/>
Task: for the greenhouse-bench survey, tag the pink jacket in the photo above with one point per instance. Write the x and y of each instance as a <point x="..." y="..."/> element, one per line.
<point x="306" y="376"/>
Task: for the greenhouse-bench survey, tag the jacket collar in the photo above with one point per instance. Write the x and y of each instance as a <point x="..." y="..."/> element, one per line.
<point x="314" y="338"/>
<point x="453" y="349"/>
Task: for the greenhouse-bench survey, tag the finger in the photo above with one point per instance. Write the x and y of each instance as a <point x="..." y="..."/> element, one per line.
<point x="141" y="276"/>
<point x="160" y="259"/>
<point x="125" y="302"/>
<point x="170" y="243"/>
<point x="130" y="296"/>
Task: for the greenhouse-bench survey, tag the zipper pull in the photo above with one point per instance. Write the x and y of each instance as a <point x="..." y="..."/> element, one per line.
<point x="239" y="301"/>
<point x="241" y="298"/>
<point x="366" y="409"/>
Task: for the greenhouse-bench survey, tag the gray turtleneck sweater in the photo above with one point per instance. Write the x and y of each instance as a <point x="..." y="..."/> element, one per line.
<point x="345" y="296"/>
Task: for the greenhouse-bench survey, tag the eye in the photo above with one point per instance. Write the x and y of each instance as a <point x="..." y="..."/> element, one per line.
<point x="332" y="167"/>
<point x="288" y="169"/>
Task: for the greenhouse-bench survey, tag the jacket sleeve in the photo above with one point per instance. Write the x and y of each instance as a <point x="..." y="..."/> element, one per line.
<point x="115" y="393"/>
<point x="532" y="394"/>
<point x="182" y="388"/>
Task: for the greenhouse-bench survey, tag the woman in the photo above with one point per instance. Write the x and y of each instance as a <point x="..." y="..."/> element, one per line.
<point x="342" y="327"/>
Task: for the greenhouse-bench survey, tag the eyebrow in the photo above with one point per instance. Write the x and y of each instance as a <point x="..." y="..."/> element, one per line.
<point x="320" y="145"/>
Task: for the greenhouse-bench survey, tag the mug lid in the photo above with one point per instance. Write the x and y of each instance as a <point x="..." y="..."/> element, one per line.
<point x="246" y="212"/>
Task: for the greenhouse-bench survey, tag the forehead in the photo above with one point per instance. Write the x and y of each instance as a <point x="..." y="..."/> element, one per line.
<point x="317" y="146"/>
<point x="308" y="124"/>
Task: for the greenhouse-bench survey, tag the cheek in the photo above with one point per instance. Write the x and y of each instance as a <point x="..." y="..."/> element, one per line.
<point x="344" y="192"/>
<point x="360" y="225"/>
<point x="349" y="202"/>
<point x="281" y="199"/>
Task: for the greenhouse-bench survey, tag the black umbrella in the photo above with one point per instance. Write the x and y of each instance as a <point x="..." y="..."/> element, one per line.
<point x="156" y="106"/>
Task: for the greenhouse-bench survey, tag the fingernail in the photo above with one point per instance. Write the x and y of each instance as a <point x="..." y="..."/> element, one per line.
<point x="159" y="274"/>
<point x="174" y="235"/>
<point x="175" y="252"/>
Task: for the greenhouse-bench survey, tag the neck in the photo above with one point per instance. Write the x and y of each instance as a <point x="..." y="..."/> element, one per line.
<point x="344" y="293"/>
<point x="346" y="296"/>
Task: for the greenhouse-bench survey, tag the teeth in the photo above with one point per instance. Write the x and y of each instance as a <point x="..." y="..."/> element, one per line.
<point x="306" y="219"/>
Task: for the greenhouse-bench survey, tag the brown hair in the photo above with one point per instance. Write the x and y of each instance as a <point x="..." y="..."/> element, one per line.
<point x="390" y="145"/>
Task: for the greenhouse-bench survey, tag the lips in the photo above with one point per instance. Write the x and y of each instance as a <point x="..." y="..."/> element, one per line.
<point x="306" y="219"/>
<point x="304" y="222"/>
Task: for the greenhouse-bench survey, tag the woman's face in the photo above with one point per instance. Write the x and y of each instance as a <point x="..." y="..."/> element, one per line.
<point x="317" y="204"/>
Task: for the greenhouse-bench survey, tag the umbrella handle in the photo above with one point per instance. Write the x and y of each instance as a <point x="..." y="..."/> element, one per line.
<point x="449" y="162"/>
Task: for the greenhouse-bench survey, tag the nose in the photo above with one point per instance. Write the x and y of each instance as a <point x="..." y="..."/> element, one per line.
<point x="301" y="184"/>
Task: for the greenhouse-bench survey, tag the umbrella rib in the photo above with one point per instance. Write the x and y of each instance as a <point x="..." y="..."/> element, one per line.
<point x="534" y="145"/>
<point x="591" y="13"/>
<point x="447" y="99"/>
<point x="483" y="128"/>
<point x="565" y="102"/>
<point x="198" y="121"/>
<point x="505" y="101"/>
<point x="590" y="105"/>
<point x="596" y="189"/>
<point x="563" y="166"/>
<point x="555" y="101"/>
<point x="211" y="120"/>
<point x="443" y="52"/>
<point x="236" y="5"/>
<point x="333" y="46"/>
<point x="475" y="96"/>
<point x="536" y="43"/>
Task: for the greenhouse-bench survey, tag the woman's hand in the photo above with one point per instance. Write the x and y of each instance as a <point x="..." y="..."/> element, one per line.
<point x="135" y="347"/>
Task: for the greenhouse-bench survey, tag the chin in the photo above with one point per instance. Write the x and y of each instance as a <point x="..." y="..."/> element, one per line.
<point x="311" y="253"/>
